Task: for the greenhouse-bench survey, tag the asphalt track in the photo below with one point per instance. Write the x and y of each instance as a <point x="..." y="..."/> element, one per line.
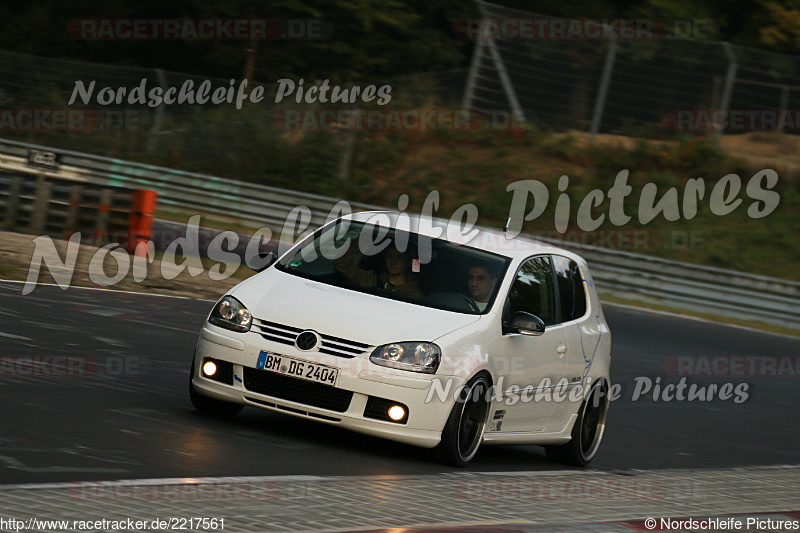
<point x="121" y="410"/>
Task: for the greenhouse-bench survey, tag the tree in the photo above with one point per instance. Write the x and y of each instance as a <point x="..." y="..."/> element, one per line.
<point x="782" y="32"/>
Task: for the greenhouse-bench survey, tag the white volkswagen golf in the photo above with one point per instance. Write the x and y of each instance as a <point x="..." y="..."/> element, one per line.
<point x="403" y="327"/>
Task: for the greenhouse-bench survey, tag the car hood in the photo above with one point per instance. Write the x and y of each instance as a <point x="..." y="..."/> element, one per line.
<point x="294" y="301"/>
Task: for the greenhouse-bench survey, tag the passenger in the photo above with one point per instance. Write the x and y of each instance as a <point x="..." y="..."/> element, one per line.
<point x="396" y="276"/>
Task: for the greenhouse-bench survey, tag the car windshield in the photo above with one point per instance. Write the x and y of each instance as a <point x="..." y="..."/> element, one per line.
<point x="399" y="265"/>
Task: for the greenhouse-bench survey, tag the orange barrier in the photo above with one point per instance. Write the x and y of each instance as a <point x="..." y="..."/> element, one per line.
<point x="143" y="208"/>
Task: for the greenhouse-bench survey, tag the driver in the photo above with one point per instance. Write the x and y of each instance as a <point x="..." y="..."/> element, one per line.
<point x="481" y="282"/>
<point x="396" y="275"/>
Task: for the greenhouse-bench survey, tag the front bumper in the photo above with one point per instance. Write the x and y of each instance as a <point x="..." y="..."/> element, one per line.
<point x="427" y="410"/>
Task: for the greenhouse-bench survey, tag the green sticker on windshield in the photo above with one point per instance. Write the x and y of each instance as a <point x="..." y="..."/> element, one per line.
<point x="296" y="263"/>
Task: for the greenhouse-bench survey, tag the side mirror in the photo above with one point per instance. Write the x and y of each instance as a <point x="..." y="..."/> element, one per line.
<point x="524" y="324"/>
<point x="262" y="261"/>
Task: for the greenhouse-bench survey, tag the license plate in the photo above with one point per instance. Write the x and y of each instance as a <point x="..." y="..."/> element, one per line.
<point x="296" y="368"/>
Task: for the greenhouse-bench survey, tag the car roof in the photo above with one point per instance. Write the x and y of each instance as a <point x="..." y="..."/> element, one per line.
<point x="481" y="238"/>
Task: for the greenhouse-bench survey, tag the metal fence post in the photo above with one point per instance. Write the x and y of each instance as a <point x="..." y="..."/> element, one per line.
<point x="784" y="106"/>
<point x="346" y="159"/>
<point x="469" y="92"/>
<point x="101" y="221"/>
<point x="74" y="209"/>
<point x="12" y="204"/>
<point x="508" y="88"/>
<point x="40" y="205"/>
<point x="505" y="80"/>
<point x="730" y="79"/>
<point x="159" y="115"/>
<point x="602" y="91"/>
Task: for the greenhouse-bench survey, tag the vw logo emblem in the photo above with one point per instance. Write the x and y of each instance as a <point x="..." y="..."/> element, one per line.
<point x="307" y="340"/>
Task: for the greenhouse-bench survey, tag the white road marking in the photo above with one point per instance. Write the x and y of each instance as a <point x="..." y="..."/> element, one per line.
<point x="110" y="290"/>
<point x="16" y="337"/>
<point x="673" y="314"/>
<point x="15" y="464"/>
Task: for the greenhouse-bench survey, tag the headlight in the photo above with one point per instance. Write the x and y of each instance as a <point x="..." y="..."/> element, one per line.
<point x="229" y="313"/>
<point x="414" y="356"/>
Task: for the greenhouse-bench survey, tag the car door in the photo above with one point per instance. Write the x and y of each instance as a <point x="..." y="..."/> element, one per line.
<point x="582" y="331"/>
<point x="524" y="362"/>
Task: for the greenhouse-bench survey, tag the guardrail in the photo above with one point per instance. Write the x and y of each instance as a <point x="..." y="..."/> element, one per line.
<point x="670" y="283"/>
<point x="249" y="203"/>
<point x="694" y="287"/>
<point x="39" y="204"/>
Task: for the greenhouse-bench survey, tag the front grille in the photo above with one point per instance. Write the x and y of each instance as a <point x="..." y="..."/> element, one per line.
<point x="297" y="390"/>
<point x="330" y="345"/>
<point x="292" y="410"/>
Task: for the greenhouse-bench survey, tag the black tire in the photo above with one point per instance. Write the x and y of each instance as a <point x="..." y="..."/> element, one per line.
<point x="463" y="432"/>
<point x="211" y="406"/>
<point x="587" y="433"/>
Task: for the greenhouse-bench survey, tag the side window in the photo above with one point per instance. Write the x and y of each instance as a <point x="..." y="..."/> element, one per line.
<point x="570" y="288"/>
<point x="533" y="291"/>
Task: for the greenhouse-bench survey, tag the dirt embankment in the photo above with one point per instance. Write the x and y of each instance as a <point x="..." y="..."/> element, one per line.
<point x="777" y="150"/>
<point x="93" y="268"/>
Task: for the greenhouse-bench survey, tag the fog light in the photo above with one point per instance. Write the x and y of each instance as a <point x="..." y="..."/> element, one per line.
<point x="209" y="368"/>
<point x="396" y="412"/>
